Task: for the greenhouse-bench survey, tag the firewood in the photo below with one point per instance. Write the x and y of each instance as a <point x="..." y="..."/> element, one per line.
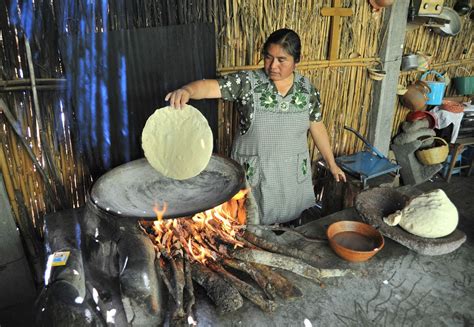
<point x="247" y="244"/>
<point x="245" y="289"/>
<point x="177" y="267"/>
<point x="190" y="299"/>
<point x="277" y="248"/>
<point x="288" y="263"/>
<point x="282" y="286"/>
<point x="255" y="273"/>
<point x="224" y="295"/>
<point x="217" y="230"/>
<point x="289" y="230"/>
<point x="161" y="275"/>
<point x="210" y="240"/>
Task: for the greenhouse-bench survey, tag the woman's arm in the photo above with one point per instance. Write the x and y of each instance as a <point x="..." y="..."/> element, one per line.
<point x="201" y="89"/>
<point x="321" y="139"/>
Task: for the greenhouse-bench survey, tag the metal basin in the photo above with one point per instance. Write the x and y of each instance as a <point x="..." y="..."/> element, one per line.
<point x="133" y="189"/>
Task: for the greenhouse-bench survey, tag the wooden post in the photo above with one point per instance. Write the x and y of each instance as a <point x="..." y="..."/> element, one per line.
<point x="336" y="13"/>
<point x="390" y="53"/>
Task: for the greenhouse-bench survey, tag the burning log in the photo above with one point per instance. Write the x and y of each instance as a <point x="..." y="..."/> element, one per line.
<point x="245" y="289"/>
<point x="224" y="295"/>
<point x="288" y="263"/>
<point x="202" y="237"/>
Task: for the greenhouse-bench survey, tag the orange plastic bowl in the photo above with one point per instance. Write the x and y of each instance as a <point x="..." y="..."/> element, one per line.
<point x="452" y="106"/>
<point x="354" y="241"/>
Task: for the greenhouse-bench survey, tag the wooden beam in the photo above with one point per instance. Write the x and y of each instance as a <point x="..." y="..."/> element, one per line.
<point x="344" y="12"/>
<point x="336" y="12"/>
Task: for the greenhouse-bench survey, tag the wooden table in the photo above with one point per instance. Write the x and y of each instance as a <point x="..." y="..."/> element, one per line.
<point x="455" y="151"/>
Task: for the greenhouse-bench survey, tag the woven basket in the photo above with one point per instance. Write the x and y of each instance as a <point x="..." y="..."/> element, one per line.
<point x="435" y="155"/>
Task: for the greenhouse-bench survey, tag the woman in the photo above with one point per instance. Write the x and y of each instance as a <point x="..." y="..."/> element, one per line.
<point x="277" y="107"/>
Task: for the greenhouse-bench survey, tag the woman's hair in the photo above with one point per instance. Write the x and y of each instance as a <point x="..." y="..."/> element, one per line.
<point x="287" y="39"/>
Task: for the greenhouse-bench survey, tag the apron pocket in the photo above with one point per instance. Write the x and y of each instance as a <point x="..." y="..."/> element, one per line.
<point x="251" y="165"/>
<point x="303" y="167"/>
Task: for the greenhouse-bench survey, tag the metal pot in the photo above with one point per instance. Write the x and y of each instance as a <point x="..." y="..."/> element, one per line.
<point x="453" y="27"/>
<point x="409" y="62"/>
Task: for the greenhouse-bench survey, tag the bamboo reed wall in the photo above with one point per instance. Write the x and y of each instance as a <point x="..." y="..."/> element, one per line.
<point x="41" y="166"/>
<point x="344" y="85"/>
<point x="241" y="28"/>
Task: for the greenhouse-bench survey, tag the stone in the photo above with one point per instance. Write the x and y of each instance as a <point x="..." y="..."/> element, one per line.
<point x="376" y="203"/>
<point x="413" y="172"/>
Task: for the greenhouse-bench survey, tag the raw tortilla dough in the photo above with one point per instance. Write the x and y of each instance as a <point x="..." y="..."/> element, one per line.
<point x="429" y="215"/>
<point x="177" y="142"/>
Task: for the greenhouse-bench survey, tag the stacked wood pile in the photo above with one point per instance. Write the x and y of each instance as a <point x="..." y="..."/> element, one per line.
<point x="214" y="249"/>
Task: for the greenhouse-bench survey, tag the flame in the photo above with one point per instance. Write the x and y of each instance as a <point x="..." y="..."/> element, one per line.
<point x="159" y="213"/>
<point x="205" y="235"/>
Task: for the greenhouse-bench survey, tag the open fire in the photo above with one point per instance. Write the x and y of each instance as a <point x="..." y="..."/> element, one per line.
<point x="205" y="236"/>
<point x="215" y="250"/>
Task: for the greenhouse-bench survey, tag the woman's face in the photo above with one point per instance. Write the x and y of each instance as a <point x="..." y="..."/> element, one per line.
<point x="278" y="64"/>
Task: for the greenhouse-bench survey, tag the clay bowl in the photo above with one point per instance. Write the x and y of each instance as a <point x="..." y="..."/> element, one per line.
<point x="415" y="97"/>
<point x="354" y="241"/>
<point x="418" y="115"/>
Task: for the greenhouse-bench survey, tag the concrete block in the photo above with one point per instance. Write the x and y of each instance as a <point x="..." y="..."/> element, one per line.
<point x="10" y="245"/>
<point x="16" y="284"/>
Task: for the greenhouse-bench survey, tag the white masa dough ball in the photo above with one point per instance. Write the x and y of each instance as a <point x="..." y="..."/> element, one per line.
<point x="429" y="215"/>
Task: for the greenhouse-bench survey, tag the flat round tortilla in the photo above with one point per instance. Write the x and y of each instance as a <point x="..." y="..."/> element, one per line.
<point x="177" y="142"/>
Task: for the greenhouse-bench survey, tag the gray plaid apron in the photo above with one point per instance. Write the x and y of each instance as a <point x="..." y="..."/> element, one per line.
<point x="274" y="153"/>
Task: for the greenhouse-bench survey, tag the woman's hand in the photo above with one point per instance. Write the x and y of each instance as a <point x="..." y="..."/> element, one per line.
<point x="197" y="90"/>
<point x="338" y="174"/>
<point x="321" y="139"/>
<point x="178" y="98"/>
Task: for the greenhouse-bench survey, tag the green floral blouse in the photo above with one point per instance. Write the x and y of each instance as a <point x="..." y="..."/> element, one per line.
<point x="237" y="87"/>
